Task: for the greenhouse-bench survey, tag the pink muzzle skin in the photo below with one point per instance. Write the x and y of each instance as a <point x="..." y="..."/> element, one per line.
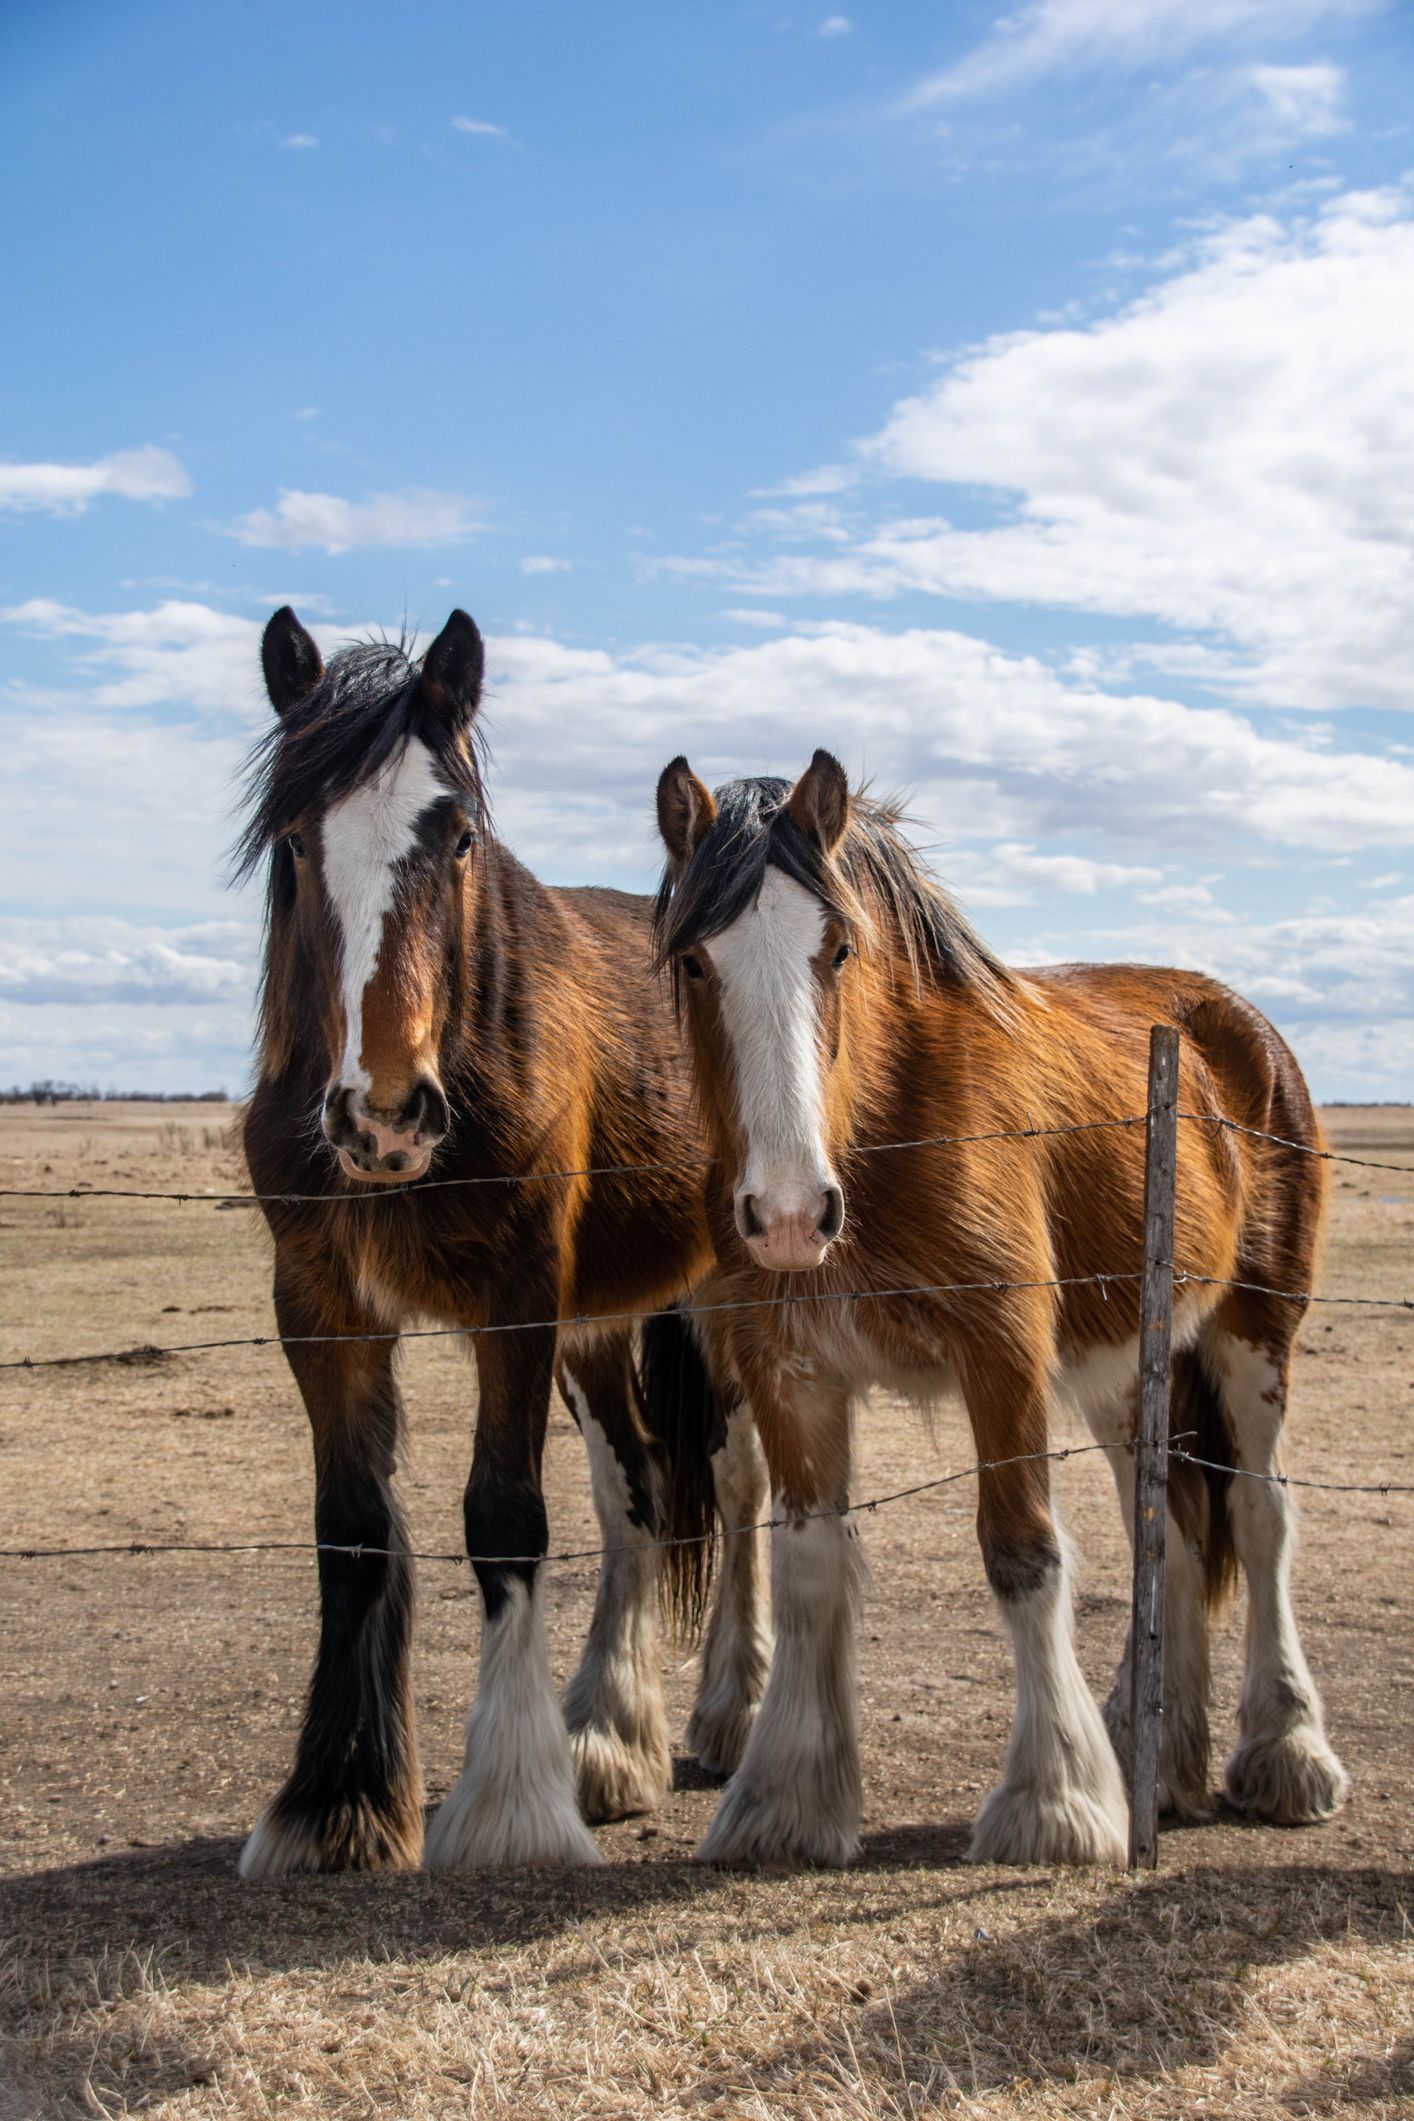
<point x="384" y="1155"/>
<point x="790" y="1238"/>
<point x="791" y="1244"/>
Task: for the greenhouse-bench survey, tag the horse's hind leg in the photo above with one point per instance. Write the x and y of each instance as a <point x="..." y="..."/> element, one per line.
<point x="1283" y="1768"/>
<point x="353" y="1800"/>
<point x="736" y="1654"/>
<point x="614" y="1703"/>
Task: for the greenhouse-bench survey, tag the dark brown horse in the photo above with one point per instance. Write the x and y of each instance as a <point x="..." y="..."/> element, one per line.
<point x="434" y="1021"/>
<point x="836" y="1001"/>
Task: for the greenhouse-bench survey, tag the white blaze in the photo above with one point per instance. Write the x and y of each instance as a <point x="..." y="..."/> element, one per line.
<point x="365" y="837"/>
<point x="768" y="1009"/>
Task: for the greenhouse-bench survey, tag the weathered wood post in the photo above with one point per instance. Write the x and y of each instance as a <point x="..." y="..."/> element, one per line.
<point x="1146" y="1636"/>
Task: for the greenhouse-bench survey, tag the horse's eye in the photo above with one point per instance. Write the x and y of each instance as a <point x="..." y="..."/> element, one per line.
<point x="840" y="955"/>
<point x="465" y="844"/>
<point x="692" y="967"/>
<point x="296" y="846"/>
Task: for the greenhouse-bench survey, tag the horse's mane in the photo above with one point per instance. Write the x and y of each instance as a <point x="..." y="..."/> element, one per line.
<point x="365" y="708"/>
<point x="874" y="881"/>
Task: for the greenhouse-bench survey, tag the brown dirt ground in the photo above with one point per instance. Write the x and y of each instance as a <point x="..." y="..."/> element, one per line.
<point x="151" y="1705"/>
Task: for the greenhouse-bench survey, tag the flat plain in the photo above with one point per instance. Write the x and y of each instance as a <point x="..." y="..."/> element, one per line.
<point x="150" y="1706"/>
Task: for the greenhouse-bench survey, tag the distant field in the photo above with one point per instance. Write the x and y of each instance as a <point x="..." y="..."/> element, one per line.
<point x="151" y="1704"/>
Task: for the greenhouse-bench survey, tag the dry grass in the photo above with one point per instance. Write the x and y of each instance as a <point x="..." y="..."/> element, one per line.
<point x="150" y="1708"/>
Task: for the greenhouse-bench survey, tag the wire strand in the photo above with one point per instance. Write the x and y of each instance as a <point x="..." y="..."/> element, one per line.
<point x="1284" y="1141"/>
<point x="582" y="1322"/>
<point x="525" y="1178"/>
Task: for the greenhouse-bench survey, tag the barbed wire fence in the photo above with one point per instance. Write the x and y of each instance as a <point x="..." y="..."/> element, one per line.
<point x="1152" y="1447"/>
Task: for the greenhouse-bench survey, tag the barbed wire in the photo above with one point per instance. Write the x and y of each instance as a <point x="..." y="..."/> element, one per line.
<point x="689" y="1539"/>
<point x="1295" y="1296"/>
<point x="524" y="1178"/>
<point x="580" y="1322"/>
<point x="1284" y="1141"/>
<point x="1290" y="1480"/>
<point x="134" y="1548"/>
<point x="585" y="1321"/>
<point x="694" y="1163"/>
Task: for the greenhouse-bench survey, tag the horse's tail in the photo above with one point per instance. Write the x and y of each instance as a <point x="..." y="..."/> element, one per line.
<point x="1198" y="1495"/>
<point x="682" y="1414"/>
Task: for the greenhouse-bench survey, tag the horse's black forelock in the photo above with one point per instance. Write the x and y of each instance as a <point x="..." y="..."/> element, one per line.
<point x="365" y="708"/>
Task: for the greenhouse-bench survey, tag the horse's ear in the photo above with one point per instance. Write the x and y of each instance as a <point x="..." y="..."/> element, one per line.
<point x="452" y="671"/>
<point x="819" y="801"/>
<point x="292" y="664"/>
<point x="685" y="810"/>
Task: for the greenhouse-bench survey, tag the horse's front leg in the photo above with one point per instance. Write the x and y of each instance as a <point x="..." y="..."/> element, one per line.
<point x="353" y="1800"/>
<point x="1061" y="1798"/>
<point x="613" y="1705"/>
<point x="795" y="1798"/>
<point x="514" y="1802"/>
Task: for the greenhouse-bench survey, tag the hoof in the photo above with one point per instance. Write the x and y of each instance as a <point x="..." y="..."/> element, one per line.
<point x="290" y="1838"/>
<point x="614" y="1779"/>
<point x="1293" y="1780"/>
<point x="752" y="1829"/>
<point x="1030" y="1826"/>
<point x="528" y="1827"/>
<point x="717" y="1734"/>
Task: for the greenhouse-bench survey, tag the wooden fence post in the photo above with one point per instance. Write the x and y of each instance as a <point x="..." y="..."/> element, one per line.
<point x="1146" y="1636"/>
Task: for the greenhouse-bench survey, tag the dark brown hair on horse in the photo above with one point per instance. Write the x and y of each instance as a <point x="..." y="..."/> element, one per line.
<point x="837" y="1002"/>
<point x="472" y="1096"/>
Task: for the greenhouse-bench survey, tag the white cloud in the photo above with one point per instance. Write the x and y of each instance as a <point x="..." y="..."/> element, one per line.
<point x="416" y="518"/>
<point x="300" y="140"/>
<point x="1302" y="99"/>
<point x="545" y="563"/>
<point x="1231" y="454"/>
<point x="1042" y="792"/>
<point x="96" y="958"/>
<point x="1059" y="36"/>
<point x="147" y="474"/>
<point x="835" y="26"/>
<point x="480" y="128"/>
<point x="179" y="654"/>
<point x="996" y="746"/>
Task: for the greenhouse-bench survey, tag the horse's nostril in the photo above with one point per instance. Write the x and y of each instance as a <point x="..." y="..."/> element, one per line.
<point x="747" y="1219"/>
<point x="832" y="1221"/>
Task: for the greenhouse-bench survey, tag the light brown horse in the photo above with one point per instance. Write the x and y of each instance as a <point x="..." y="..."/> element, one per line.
<point x="436" y="1023"/>
<point x="836" y="1000"/>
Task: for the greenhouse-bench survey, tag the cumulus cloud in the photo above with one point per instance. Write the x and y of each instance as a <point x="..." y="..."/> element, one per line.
<point x="180" y="653"/>
<point x="410" y="520"/>
<point x="1231" y="454"/>
<point x="300" y="140"/>
<point x="545" y="563"/>
<point x="96" y="958"/>
<point x="996" y="746"/>
<point x="1039" y="791"/>
<point x="480" y="128"/>
<point x="835" y="26"/>
<point x="147" y="474"/>
<point x="1059" y="36"/>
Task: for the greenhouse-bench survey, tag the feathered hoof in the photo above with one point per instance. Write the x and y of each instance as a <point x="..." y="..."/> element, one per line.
<point x="753" y="1830"/>
<point x="536" y="1828"/>
<point x="717" y="1734"/>
<point x="1019" y="1825"/>
<point x="290" y="1837"/>
<point x="615" y="1779"/>
<point x="1292" y="1780"/>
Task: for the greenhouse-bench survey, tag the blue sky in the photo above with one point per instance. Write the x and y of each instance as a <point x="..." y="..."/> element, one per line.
<point x="1023" y="406"/>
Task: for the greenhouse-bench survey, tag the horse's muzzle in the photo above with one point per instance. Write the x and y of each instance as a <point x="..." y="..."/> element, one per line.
<point x="790" y="1238"/>
<point x="384" y="1146"/>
